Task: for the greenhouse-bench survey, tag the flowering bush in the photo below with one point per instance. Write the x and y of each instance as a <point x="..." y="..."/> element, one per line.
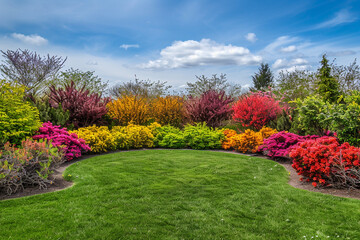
<point x="280" y="144"/>
<point x="249" y="141"/>
<point x="85" y="108"/>
<point x="129" y="109"/>
<point x="61" y="138"/>
<point x="168" y="110"/>
<point x="256" y="110"/>
<point x="18" y="119"/>
<point x="325" y="161"/>
<point x="227" y="142"/>
<point x="29" y="165"/>
<point x="211" y="107"/>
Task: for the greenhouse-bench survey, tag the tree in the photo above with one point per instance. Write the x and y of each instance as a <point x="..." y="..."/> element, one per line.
<point x="296" y="84"/>
<point x="263" y="79"/>
<point x="141" y="88"/>
<point x="30" y="69"/>
<point x="81" y="79"/>
<point x="328" y="86"/>
<point x="215" y="83"/>
<point x="348" y="77"/>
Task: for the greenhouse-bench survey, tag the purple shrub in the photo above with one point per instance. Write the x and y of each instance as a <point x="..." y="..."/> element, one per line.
<point x="85" y="108"/>
<point x="60" y="137"/>
<point x="280" y="144"/>
<point x="211" y="107"/>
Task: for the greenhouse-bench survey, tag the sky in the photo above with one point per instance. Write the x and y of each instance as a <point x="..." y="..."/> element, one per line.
<point x="174" y="41"/>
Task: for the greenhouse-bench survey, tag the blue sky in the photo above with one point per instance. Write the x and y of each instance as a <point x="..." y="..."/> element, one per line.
<point x="175" y="40"/>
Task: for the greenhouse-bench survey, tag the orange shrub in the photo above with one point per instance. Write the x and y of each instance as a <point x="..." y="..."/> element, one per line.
<point x="249" y="141"/>
<point x="129" y="109"/>
<point x="229" y="133"/>
<point x="168" y="110"/>
<point x="266" y="132"/>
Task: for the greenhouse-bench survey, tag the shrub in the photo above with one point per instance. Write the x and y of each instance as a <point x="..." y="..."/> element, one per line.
<point x="169" y="137"/>
<point x="249" y="141"/>
<point x="128" y="109"/>
<point x="255" y="110"/>
<point x="100" y="139"/>
<point x="85" y="108"/>
<point x="325" y="161"/>
<point x="312" y="115"/>
<point x="280" y="144"/>
<point x="168" y="110"/>
<point x="60" y="137"/>
<point x="137" y="136"/>
<point x="211" y="107"/>
<point x="57" y="116"/>
<point x="29" y="165"/>
<point x="227" y="142"/>
<point x="201" y="136"/>
<point x="18" y="119"/>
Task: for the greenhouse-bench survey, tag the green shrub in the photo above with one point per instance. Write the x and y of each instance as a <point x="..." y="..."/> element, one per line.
<point x="56" y="116"/>
<point x="18" y="119"/>
<point x="169" y="137"/>
<point x="201" y="136"/>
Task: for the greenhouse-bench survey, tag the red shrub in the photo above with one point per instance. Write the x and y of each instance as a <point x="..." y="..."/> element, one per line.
<point x="325" y="161"/>
<point x="211" y="107"/>
<point x="85" y="108"/>
<point x="256" y="110"/>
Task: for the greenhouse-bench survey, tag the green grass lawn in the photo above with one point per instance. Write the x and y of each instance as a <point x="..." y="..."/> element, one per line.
<point x="179" y="194"/>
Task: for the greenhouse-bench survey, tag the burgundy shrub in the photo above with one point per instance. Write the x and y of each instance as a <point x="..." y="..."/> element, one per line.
<point x="60" y="137"/>
<point x="85" y="108"/>
<point x="211" y="107"/>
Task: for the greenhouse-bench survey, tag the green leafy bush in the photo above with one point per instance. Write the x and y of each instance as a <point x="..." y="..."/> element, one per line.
<point x="169" y="137"/>
<point x="201" y="136"/>
<point x="18" y="119"/>
<point x="55" y="115"/>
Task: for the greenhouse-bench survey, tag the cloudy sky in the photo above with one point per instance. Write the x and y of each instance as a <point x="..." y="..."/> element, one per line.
<point x="175" y="40"/>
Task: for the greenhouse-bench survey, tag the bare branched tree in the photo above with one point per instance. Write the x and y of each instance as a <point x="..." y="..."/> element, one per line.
<point x="30" y="69"/>
<point x="143" y="88"/>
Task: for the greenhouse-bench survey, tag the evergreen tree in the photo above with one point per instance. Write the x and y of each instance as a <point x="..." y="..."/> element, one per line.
<point x="328" y="86"/>
<point x="263" y="79"/>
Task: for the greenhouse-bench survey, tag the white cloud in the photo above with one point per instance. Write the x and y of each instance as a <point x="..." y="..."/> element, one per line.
<point x="343" y="16"/>
<point x="192" y="53"/>
<point x="288" y="49"/>
<point x="284" y="63"/>
<point x="32" y="39"/>
<point x="126" y="46"/>
<point x="251" y="37"/>
<point x="279" y="42"/>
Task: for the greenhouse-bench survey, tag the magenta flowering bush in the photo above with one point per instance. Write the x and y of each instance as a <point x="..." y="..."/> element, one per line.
<point x="280" y="144"/>
<point x="71" y="144"/>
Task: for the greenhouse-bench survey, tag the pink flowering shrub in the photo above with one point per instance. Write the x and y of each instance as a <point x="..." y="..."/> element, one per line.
<point x="71" y="145"/>
<point x="280" y="144"/>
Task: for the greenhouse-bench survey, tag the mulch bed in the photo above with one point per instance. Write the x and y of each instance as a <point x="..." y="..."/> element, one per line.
<point x="59" y="183"/>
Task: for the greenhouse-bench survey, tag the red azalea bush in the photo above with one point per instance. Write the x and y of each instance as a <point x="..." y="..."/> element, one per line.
<point x="280" y="144"/>
<point x="85" y="108"/>
<point x="211" y="107"/>
<point x="255" y="110"/>
<point x="71" y="145"/>
<point x="325" y="161"/>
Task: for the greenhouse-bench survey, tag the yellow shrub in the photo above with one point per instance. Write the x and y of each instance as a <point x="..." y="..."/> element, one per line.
<point x="137" y="136"/>
<point x="249" y="141"/>
<point x="153" y="127"/>
<point x="129" y="109"/>
<point x="98" y="138"/>
<point x="168" y="110"/>
<point x="226" y="144"/>
<point x="266" y="132"/>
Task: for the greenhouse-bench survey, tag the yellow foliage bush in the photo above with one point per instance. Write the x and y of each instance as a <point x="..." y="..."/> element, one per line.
<point x="168" y="110"/>
<point x="129" y="109"/>
<point x="98" y="138"/>
<point x="229" y="133"/>
<point x="249" y="141"/>
<point x="137" y="136"/>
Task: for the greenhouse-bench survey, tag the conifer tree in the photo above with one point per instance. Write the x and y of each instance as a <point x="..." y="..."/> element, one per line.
<point x="263" y="79"/>
<point x="328" y="86"/>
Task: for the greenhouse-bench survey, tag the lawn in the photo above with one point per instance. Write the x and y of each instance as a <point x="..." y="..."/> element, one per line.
<point x="179" y="194"/>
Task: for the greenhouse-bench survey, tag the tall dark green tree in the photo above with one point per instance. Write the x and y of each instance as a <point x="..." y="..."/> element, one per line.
<point x="328" y="86"/>
<point x="263" y="79"/>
